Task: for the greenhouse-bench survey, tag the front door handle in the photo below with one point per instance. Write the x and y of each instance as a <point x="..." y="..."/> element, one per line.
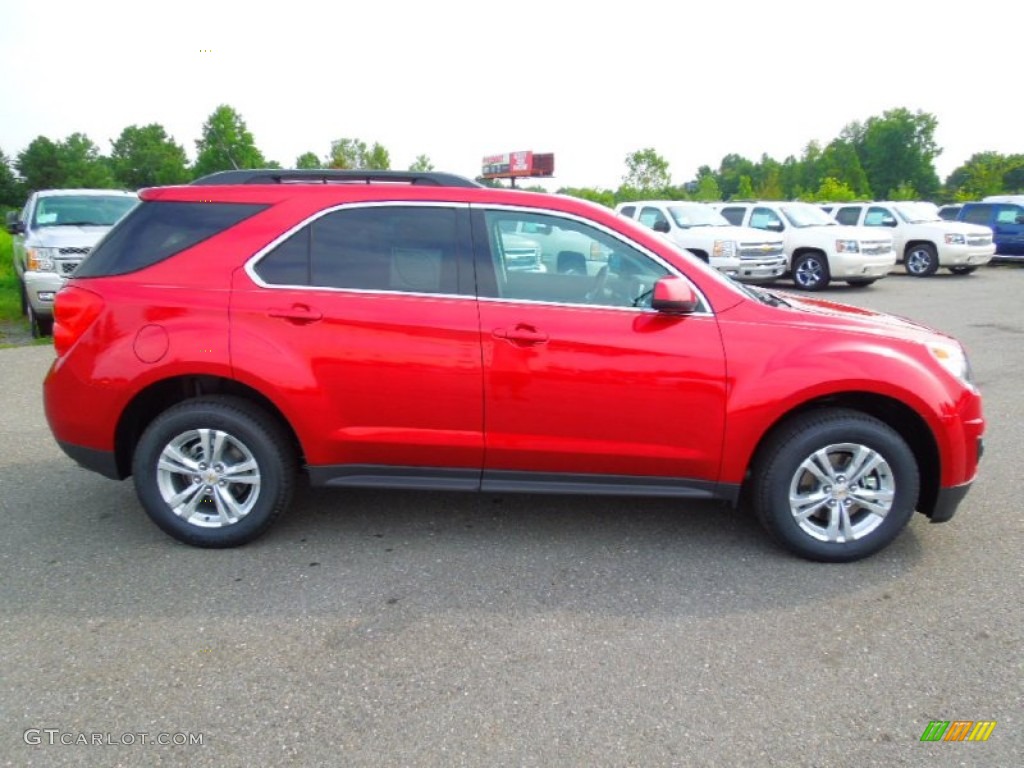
<point x="521" y="334"/>
<point x="300" y="314"/>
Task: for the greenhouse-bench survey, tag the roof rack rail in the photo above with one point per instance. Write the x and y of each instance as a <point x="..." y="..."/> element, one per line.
<point x="332" y="176"/>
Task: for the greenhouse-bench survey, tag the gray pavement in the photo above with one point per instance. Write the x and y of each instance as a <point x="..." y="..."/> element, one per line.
<point x="393" y="629"/>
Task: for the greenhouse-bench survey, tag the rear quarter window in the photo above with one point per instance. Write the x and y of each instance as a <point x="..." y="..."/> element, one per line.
<point x="157" y="230"/>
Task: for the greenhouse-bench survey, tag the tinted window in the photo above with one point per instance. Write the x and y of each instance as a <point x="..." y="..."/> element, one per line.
<point x="848" y="215"/>
<point x="155" y="231"/>
<point x="387" y="248"/>
<point x="81" y="210"/>
<point x="628" y="210"/>
<point x="976" y="214"/>
<point x="588" y="266"/>
<point x="733" y="215"/>
<point x="879" y="217"/>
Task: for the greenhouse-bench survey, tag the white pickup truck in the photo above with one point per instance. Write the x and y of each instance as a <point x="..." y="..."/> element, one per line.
<point x="819" y="249"/>
<point x="923" y="241"/>
<point x="749" y="255"/>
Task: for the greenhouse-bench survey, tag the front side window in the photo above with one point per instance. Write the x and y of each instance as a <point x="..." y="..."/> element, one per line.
<point x="879" y="217"/>
<point x="411" y="249"/>
<point x="584" y="266"/>
<point x="766" y="218"/>
<point x="652" y="217"/>
<point x="1010" y="214"/>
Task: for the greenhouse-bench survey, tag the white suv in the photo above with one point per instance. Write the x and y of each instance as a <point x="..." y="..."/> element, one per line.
<point x="749" y="255"/>
<point x="52" y="234"/>
<point x="819" y="250"/>
<point x="924" y="241"/>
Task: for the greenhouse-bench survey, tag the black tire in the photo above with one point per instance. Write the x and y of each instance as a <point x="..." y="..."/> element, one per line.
<point x="815" y="529"/>
<point x="859" y="283"/>
<point x="962" y="270"/>
<point x="921" y="260"/>
<point x="41" y="327"/>
<point x="23" y="296"/>
<point x="248" y="436"/>
<point x="810" y="271"/>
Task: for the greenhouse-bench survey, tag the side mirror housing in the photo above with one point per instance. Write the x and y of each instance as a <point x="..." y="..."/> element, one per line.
<point x="661" y="226"/>
<point x="14" y="223"/>
<point x="674" y="295"/>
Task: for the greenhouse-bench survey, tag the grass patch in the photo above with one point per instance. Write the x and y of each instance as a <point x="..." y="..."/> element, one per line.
<point x="10" y="302"/>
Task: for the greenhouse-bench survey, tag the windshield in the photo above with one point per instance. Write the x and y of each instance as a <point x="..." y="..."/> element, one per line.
<point x="807" y="215"/>
<point x="697" y="216"/>
<point x="915" y="213"/>
<point x="82" y="210"/>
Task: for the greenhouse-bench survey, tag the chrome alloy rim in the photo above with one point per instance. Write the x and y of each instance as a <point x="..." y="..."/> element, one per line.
<point x="810" y="272"/>
<point x="208" y="478"/>
<point x="842" y="492"/>
<point x="918" y="261"/>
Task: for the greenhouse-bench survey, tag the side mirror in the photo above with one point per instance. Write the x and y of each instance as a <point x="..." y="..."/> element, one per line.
<point x="888" y="221"/>
<point x="14" y="223"/>
<point x="775" y="226"/>
<point x="1020" y="218"/>
<point x="661" y="226"/>
<point x="674" y="295"/>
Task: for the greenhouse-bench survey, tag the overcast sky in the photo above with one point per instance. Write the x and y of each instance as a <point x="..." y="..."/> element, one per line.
<point x="589" y="81"/>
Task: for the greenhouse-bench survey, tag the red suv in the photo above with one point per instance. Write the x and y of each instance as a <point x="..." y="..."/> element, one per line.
<point x="378" y="330"/>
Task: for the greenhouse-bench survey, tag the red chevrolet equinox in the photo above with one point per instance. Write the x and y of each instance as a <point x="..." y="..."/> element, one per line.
<point x="418" y="331"/>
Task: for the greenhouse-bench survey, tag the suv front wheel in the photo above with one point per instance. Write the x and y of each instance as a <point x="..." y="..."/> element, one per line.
<point x="810" y="271"/>
<point x="921" y="260"/>
<point x="835" y="485"/>
<point x="214" y="471"/>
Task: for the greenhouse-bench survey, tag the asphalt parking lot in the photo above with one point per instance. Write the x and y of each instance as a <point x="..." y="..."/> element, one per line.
<point x="389" y="628"/>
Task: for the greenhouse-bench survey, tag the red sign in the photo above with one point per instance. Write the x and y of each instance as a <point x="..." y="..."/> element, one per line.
<point x="517" y="164"/>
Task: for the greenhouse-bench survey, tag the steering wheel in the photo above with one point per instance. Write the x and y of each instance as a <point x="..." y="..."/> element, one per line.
<point x="597" y="290"/>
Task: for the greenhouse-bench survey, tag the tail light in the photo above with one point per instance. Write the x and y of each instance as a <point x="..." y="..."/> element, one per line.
<point x="74" y="310"/>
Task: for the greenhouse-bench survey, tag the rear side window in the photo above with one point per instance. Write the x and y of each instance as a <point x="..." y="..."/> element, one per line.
<point x="733" y="215"/>
<point x="379" y="248"/>
<point x="848" y="215"/>
<point x="155" y="231"/>
<point x="977" y="214"/>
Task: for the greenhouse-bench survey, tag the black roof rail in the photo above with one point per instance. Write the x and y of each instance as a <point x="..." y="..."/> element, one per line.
<point x="332" y="176"/>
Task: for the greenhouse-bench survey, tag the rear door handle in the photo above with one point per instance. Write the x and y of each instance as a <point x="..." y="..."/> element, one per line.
<point x="521" y="334"/>
<point x="300" y="314"/>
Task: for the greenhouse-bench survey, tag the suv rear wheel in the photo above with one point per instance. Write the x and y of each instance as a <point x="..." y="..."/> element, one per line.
<point x="835" y="485"/>
<point x="214" y="471"/>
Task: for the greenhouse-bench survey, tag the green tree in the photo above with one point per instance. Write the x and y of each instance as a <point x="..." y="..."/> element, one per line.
<point x="348" y="154"/>
<point x="378" y="158"/>
<point x="983" y="174"/>
<point x="308" y="161"/>
<point x="601" y="196"/>
<point x="840" y="162"/>
<point x="730" y="171"/>
<point x="421" y="164"/>
<point x="82" y="164"/>
<point x="1013" y="178"/>
<point x="770" y="187"/>
<point x="834" y="191"/>
<point x="12" y="192"/>
<point x="898" y="149"/>
<point x="148" y="157"/>
<point x="226" y="143"/>
<point x="707" y="189"/>
<point x="904" y="191"/>
<point x="646" y="170"/>
<point x="39" y="165"/>
<point x="746" y="189"/>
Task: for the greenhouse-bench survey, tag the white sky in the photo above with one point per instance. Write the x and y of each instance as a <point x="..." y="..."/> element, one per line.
<point x="589" y="81"/>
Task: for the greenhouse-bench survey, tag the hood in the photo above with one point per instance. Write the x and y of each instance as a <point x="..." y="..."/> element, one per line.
<point x="959" y="227"/>
<point x="66" y="237"/>
<point x="843" y="317"/>
<point x="757" y="235"/>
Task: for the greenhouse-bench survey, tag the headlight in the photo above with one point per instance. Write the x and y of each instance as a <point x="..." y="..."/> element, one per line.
<point x="954" y="238"/>
<point x="40" y="259"/>
<point x="847" y="246"/>
<point x="724" y="248"/>
<point x="953" y="358"/>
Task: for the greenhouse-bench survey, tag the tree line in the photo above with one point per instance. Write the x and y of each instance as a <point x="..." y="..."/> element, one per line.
<point x="890" y="156"/>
